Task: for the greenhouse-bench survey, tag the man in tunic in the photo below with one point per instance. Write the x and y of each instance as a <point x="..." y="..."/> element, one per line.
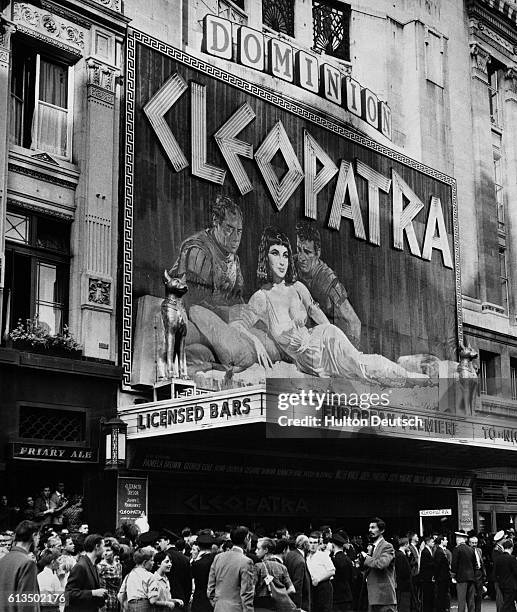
<point x="323" y="284"/>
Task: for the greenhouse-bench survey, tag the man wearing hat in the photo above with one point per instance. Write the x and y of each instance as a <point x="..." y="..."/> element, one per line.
<point x="463" y="572"/>
<point x="498" y="550"/>
<point x="181" y="574"/>
<point x="342" y="584"/>
<point x="201" y="570"/>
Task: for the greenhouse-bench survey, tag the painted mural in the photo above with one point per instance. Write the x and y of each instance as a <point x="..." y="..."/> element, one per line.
<point x="304" y="249"/>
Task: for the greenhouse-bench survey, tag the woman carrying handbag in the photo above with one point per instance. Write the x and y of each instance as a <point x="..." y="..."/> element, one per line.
<point x="272" y="582"/>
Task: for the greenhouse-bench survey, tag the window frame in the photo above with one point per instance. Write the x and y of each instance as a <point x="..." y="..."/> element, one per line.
<point x="40" y="54"/>
<point x="36" y="255"/>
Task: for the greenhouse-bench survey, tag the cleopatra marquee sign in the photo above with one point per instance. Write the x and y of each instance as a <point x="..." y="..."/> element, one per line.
<point x="315" y="171"/>
<point x="304" y="69"/>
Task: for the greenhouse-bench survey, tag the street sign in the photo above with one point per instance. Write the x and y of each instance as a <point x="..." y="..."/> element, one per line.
<point x="442" y="512"/>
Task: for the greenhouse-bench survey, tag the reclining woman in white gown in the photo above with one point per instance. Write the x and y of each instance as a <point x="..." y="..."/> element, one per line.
<point x="285" y="306"/>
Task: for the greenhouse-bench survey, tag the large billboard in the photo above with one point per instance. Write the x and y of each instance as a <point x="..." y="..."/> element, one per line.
<point x="306" y="247"/>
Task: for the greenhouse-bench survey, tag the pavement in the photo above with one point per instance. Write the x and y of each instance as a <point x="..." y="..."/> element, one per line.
<point x="487" y="605"/>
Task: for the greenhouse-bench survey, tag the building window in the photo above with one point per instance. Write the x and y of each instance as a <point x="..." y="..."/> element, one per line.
<point x="513" y="377"/>
<point x="37" y="423"/>
<point x="278" y="15"/>
<point x="331" y="25"/>
<point x="37" y="270"/>
<point x="494" y="93"/>
<point x="233" y="10"/>
<point x="503" y="273"/>
<point x="488" y="368"/>
<point x="41" y="92"/>
<point x="498" y="186"/>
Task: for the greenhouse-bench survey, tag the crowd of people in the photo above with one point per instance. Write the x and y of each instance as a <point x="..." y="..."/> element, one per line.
<point x="50" y="568"/>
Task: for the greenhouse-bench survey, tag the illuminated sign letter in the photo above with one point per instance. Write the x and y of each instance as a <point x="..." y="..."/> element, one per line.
<point x="371" y="107"/>
<point x="346" y="182"/>
<point x="280" y="190"/>
<point x="403" y="217"/>
<point x="436" y="234"/>
<point x="250" y="50"/>
<point x="218" y="37"/>
<point x="353" y="97"/>
<point x="281" y="60"/>
<point x="375" y="182"/>
<point x="331" y="83"/>
<point x="231" y="147"/>
<point x="200" y="167"/>
<point x="314" y="182"/>
<point x="307" y="71"/>
<point x="162" y="101"/>
<point x="385" y="119"/>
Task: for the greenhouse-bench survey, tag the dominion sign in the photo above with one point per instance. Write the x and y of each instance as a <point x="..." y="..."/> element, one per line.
<point x="306" y="248"/>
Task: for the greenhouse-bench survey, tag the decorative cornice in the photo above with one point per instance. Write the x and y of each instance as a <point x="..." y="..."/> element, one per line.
<point x="42" y="176"/>
<point x="495" y="19"/>
<point x="39" y="208"/>
<point x="478" y="29"/>
<point x="48" y="27"/>
<point x="62" y="12"/>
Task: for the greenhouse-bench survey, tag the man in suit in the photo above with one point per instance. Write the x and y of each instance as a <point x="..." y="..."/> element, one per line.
<point x="342" y="584"/>
<point x="463" y="572"/>
<point x="298" y="572"/>
<point x="181" y="572"/>
<point x="414" y="564"/>
<point x="380" y="563"/>
<point x="505" y="571"/>
<point x="18" y="573"/>
<point x="442" y="575"/>
<point x="426" y="574"/>
<point x="403" y="575"/>
<point x="200" y="572"/>
<point x="479" y="574"/>
<point x="498" y="550"/>
<point x="231" y="580"/>
<point x="82" y="591"/>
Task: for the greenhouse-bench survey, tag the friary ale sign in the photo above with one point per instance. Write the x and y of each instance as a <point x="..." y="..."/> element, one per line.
<point x="369" y="235"/>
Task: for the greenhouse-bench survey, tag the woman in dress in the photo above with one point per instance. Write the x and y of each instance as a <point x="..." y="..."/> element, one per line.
<point x="286" y="307"/>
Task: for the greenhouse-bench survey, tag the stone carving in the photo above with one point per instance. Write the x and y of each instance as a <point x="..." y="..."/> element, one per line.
<point x="114" y="5"/>
<point x="468" y="380"/>
<point x="48" y="25"/>
<point x="480" y="57"/>
<point x="101" y="75"/>
<point x="174" y="318"/>
<point x="99" y="292"/>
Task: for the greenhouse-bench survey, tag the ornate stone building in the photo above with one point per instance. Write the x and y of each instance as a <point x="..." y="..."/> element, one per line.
<point x="59" y="132"/>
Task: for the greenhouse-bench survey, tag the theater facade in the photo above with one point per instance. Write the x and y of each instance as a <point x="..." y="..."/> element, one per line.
<point x="374" y="227"/>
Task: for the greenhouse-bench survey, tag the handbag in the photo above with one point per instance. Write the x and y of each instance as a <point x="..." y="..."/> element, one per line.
<point x="282" y="601"/>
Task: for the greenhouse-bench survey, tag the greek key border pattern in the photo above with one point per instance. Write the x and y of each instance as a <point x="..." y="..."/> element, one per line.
<point x="127" y="259"/>
<point x="135" y="36"/>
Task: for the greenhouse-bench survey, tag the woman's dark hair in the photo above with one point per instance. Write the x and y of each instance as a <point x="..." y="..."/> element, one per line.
<point x="158" y="558"/>
<point x="47" y="557"/>
<point x="273" y="236"/>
